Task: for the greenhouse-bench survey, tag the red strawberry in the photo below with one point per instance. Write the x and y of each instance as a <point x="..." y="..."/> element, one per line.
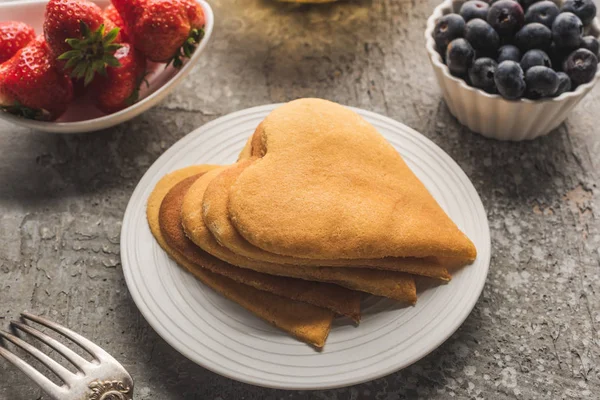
<point x="79" y="89"/>
<point x="31" y="86"/>
<point x="14" y="36"/>
<point x="63" y="19"/>
<point x="77" y="36"/>
<point x="163" y="30"/>
<point x="120" y="87"/>
<point x="111" y="14"/>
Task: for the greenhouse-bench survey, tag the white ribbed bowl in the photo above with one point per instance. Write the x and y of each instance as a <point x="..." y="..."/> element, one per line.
<point x="491" y="115"/>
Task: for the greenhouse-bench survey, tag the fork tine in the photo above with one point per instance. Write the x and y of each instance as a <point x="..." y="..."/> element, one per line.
<point x="66" y="352"/>
<point x="86" y="344"/>
<point x="44" y="383"/>
<point x="64" y="374"/>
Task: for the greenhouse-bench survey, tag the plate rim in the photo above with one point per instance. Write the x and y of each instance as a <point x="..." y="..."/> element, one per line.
<point x="180" y="347"/>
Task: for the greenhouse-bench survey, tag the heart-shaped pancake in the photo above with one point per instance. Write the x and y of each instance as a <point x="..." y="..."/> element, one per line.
<point x="215" y="211"/>
<point x="391" y="284"/>
<point x="247" y="150"/>
<point x="304" y="321"/>
<point x="329" y="186"/>
<point x="340" y="300"/>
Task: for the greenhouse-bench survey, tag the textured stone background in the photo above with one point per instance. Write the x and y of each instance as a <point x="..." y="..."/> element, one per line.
<point x="534" y="332"/>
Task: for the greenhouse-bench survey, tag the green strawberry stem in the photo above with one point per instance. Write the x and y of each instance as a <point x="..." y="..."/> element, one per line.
<point x="23" y="111"/>
<point x="92" y="53"/>
<point x="188" y="48"/>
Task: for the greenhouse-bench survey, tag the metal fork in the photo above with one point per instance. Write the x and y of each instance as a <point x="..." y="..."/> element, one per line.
<point x="101" y="379"/>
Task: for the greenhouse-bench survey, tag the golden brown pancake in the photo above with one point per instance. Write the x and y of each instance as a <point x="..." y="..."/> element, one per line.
<point x="246" y="151"/>
<point x="392" y="284"/>
<point x="333" y="297"/>
<point x="215" y="213"/>
<point x="308" y="323"/>
<point x="329" y="186"/>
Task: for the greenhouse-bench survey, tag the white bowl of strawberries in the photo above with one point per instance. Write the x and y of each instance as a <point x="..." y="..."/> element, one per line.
<point x="93" y="65"/>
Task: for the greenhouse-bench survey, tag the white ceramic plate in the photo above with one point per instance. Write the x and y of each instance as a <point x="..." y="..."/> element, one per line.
<point x="82" y="117"/>
<point x="223" y="337"/>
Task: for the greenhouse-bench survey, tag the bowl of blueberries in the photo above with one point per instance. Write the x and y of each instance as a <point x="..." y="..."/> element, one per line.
<point x="514" y="69"/>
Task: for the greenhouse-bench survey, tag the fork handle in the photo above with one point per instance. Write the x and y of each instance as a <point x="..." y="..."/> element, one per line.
<point x="110" y="390"/>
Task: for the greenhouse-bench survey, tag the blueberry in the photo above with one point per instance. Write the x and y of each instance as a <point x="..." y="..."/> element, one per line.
<point x="535" y="57"/>
<point x="543" y="12"/>
<point x="591" y="43"/>
<point x="527" y="3"/>
<point x="584" y="9"/>
<point x="564" y="83"/>
<point x="509" y="52"/>
<point x="482" y="36"/>
<point x="448" y="28"/>
<point x="459" y="56"/>
<point x="566" y="30"/>
<point x="506" y="17"/>
<point x="541" y="82"/>
<point x="482" y="74"/>
<point x="474" y="9"/>
<point x="557" y="56"/>
<point x="510" y="80"/>
<point x="581" y="66"/>
<point x="533" y="36"/>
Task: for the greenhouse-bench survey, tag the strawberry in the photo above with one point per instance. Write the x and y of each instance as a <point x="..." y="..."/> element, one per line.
<point x="163" y="30"/>
<point x="120" y="87"/>
<point x="14" y="36"/>
<point x="31" y="86"/>
<point x="78" y="39"/>
<point x="111" y="14"/>
<point x="79" y="89"/>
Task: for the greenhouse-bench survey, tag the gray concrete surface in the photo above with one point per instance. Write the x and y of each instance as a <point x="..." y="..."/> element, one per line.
<point x="534" y="332"/>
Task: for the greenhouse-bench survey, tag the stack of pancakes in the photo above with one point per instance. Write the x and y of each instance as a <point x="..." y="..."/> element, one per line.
<point x="318" y="209"/>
